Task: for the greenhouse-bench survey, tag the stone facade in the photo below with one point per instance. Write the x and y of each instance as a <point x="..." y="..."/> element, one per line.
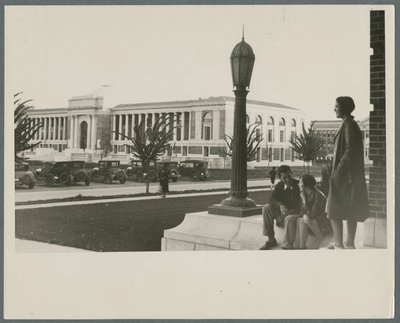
<point x="204" y="123"/>
<point x="201" y="127"/>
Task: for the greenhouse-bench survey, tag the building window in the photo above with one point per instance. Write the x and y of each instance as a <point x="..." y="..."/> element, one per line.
<point x="207" y="126"/>
<point x="270" y="135"/>
<point x="184" y="151"/>
<point x="293" y="123"/>
<point x="282" y="122"/>
<point x="293" y="135"/>
<point x="258" y="120"/>
<point x="281" y="135"/>
<point x="206" y="151"/>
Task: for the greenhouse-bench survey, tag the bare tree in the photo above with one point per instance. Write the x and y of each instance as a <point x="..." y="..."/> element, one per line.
<point x="105" y="146"/>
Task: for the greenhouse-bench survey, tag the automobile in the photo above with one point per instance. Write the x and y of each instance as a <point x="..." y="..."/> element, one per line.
<point x="107" y="171"/>
<point x="196" y="169"/>
<point x="137" y="172"/>
<point x="173" y="169"/>
<point x="63" y="172"/>
<point x="23" y="176"/>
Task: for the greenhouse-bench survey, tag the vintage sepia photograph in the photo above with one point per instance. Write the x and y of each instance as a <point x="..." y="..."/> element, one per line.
<point x="176" y="135"/>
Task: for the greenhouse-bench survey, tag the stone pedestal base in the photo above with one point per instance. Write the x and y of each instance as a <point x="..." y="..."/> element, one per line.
<point x="234" y="211"/>
<point x="375" y="233"/>
<point x="204" y="231"/>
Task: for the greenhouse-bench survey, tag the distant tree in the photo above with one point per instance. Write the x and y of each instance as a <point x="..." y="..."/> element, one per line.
<point x="150" y="143"/>
<point x="252" y="144"/>
<point x="106" y="146"/>
<point x="24" y="128"/>
<point x="307" y="145"/>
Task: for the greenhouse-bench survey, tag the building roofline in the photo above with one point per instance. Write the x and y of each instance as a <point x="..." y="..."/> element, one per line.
<point x="211" y="101"/>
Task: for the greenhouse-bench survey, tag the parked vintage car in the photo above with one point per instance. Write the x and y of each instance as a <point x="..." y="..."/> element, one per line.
<point x="196" y="169"/>
<point x="137" y="172"/>
<point x="63" y="172"/>
<point x="107" y="171"/>
<point x="173" y="169"/>
<point x="23" y="176"/>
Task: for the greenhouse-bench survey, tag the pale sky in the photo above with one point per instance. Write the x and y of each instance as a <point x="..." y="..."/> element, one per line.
<point x="306" y="56"/>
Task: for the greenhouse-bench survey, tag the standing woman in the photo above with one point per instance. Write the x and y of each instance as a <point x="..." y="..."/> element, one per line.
<point x="348" y="197"/>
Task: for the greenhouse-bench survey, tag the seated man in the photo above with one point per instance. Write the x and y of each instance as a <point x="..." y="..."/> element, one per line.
<point x="284" y="206"/>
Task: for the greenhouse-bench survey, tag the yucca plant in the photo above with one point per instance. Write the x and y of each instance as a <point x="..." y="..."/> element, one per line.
<point x="252" y="143"/>
<point x="24" y="129"/>
<point x="307" y="145"/>
<point x="151" y="142"/>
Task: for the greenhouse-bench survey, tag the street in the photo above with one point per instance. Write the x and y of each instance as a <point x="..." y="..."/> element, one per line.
<point x="99" y="189"/>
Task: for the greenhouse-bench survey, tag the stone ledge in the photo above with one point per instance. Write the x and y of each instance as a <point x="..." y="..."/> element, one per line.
<point x="203" y="231"/>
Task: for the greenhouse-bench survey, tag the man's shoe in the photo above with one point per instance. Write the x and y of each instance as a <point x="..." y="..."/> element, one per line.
<point x="268" y="245"/>
<point x="287" y="248"/>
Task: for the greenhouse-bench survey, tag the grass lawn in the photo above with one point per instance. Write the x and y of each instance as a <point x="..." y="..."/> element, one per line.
<point x="119" y="226"/>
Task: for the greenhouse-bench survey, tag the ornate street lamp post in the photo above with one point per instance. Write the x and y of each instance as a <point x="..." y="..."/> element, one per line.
<point x="238" y="203"/>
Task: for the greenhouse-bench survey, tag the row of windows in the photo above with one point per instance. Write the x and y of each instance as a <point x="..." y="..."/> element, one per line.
<point x="271" y="121"/>
<point x="270" y="154"/>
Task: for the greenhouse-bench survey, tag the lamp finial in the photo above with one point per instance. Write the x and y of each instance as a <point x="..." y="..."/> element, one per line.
<point x="243" y="34"/>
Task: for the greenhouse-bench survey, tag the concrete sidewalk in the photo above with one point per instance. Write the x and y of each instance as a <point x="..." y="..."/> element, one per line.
<point x="27" y="246"/>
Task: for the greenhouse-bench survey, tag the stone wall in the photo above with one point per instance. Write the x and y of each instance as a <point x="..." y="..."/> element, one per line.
<point x="377" y="176"/>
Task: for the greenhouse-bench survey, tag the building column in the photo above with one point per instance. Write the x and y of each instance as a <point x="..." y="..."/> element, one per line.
<point x="94" y="133"/>
<point x="76" y="134"/>
<point x="44" y="128"/>
<point x="65" y="124"/>
<point x="198" y="126"/>
<point x="113" y="127"/>
<point x="215" y="124"/>
<point x="89" y="134"/>
<point x="72" y="132"/>
<point x="126" y="126"/>
<point x="58" y="128"/>
<point x="120" y="126"/>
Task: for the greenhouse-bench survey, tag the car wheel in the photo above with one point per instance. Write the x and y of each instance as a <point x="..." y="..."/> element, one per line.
<point x="140" y="177"/>
<point x="108" y="179"/>
<point x="50" y="180"/>
<point x="26" y="180"/>
<point x="80" y="177"/>
<point x="121" y="177"/>
<point x="195" y="177"/>
<point x="64" y="178"/>
<point x="152" y="176"/>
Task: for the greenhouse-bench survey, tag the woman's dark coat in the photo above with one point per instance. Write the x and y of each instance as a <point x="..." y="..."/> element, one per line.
<point x="348" y="197"/>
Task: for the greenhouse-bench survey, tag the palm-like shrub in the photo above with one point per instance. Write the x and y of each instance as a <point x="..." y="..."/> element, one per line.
<point x="150" y="143"/>
<point x="252" y="142"/>
<point x="24" y="128"/>
<point x="307" y="145"/>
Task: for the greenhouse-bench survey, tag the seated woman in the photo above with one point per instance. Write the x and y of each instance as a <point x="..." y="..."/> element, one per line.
<point x="314" y="219"/>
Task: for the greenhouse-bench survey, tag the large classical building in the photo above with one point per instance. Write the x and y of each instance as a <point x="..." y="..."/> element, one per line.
<point x="81" y="130"/>
<point x="327" y="129"/>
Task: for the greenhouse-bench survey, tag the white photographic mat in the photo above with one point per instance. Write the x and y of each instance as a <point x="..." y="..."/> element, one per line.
<point x="306" y="56"/>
